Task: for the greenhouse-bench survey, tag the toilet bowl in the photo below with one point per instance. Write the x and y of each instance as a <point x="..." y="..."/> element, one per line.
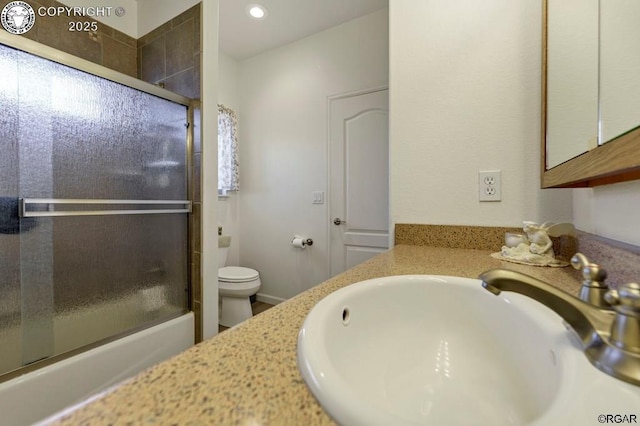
<point x="235" y="285"/>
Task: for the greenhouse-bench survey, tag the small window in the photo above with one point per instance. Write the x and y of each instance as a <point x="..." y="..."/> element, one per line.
<point x="228" y="170"/>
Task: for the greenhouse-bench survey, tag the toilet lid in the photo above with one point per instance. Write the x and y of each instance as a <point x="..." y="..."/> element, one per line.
<point x="237" y="274"/>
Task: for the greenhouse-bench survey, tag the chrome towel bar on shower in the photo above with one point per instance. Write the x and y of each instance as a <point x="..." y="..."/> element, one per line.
<point x="27" y="204"/>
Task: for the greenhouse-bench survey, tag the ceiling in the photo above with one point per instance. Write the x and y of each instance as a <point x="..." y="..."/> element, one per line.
<point x="288" y="20"/>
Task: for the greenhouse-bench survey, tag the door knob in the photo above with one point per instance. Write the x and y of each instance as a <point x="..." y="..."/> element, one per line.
<point x="338" y="221"/>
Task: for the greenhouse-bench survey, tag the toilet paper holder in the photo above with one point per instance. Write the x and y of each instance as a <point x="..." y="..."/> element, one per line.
<point x="301" y="242"/>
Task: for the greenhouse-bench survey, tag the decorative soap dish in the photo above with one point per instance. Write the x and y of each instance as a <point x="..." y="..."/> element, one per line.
<point x="535" y="248"/>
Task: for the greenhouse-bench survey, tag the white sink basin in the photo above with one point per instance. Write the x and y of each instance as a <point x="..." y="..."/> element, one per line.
<point x="440" y="350"/>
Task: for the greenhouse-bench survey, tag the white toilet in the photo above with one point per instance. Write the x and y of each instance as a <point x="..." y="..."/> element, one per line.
<point x="235" y="285"/>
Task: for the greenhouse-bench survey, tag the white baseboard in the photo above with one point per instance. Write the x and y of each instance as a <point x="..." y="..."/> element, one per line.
<point x="272" y="300"/>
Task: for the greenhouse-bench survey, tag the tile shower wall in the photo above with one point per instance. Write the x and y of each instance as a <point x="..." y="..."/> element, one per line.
<point x="107" y="46"/>
<point x="168" y="56"/>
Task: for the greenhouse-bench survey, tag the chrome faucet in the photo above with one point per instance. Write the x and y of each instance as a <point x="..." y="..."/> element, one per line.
<point x="610" y="337"/>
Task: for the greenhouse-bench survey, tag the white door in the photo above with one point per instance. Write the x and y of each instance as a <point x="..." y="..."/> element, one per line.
<point x="359" y="178"/>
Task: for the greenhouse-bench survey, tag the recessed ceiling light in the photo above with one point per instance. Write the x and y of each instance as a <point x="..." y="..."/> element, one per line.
<point x="257" y="11"/>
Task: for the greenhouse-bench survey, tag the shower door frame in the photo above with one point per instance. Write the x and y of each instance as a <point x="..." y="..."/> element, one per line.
<point x="43" y="51"/>
<point x="67" y="59"/>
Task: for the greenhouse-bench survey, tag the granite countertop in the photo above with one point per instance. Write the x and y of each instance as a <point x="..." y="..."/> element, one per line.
<point x="248" y="374"/>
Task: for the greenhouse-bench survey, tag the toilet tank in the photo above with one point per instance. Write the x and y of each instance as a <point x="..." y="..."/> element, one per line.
<point x="223" y="249"/>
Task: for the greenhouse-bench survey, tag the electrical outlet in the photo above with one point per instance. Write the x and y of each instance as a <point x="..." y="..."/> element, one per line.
<point x="490" y="185"/>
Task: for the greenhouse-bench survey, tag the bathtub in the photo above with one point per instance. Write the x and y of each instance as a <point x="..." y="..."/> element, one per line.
<point x="37" y="396"/>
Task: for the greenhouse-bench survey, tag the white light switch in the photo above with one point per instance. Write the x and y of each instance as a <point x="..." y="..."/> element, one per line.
<point x="318" y="197"/>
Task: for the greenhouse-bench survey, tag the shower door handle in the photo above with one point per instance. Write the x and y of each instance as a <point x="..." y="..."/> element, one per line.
<point x="338" y="221"/>
<point x="46" y="207"/>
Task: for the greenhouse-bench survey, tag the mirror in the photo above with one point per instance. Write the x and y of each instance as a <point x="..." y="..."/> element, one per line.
<point x="572" y="79"/>
<point x="591" y="93"/>
<point x="619" y="68"/>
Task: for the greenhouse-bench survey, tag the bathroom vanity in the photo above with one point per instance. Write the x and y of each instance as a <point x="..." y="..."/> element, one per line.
<point x="249" y="374"/>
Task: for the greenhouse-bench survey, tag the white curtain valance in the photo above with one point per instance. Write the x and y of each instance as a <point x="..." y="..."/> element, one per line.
<point x="228" y="167"/>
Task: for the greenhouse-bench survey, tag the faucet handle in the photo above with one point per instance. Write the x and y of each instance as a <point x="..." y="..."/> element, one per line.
<point x="624" y="329"/>
<point x="593" y="275"/>
<point x="579" y="261"/>
<point x="593" y="286"/>
<point x="626" y="300"/>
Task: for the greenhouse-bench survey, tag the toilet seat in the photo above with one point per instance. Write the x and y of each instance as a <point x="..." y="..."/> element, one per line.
<point x="236" y="281"/>
<point x="237" y="274"/>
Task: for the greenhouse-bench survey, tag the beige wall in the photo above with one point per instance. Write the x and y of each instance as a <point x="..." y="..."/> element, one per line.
<point x="209" y="168"/>
<point x="127" y="23"/>
<point x="153" y="13"/>
<point x="283" y="148"/>
<point x="465" y="96"/>
<point x="610" y="211"/>
<point x="228" y="207"/>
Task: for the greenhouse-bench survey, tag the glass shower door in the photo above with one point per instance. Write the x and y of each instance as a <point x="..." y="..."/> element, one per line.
<point x="96" y="183"/>
<point x="10" y="294"/>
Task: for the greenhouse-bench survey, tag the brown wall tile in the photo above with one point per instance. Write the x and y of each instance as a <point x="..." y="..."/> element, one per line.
<point x="187" y="14"/>
<point x="105" y="30"/>
<point x="197" y="312"/>
<point x="139" y="62"/>
<point x="48" y="3"/>
<point x="152" y="61"/>
<point x="196" y="280"/>
<point x="119" y="56"/>
<point x="182" y="83"/>
<point x="153" y="34"/>
<point x="197" y="29"/>
<point x="196" y="76"/>
<point x="196" y="176"/>
<point x="196" y="241"/>
<point x="123" y="38"/>
<point x="170" y="54"/>
<point x="180" y="42"/>
<point x="54" y="32"/>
